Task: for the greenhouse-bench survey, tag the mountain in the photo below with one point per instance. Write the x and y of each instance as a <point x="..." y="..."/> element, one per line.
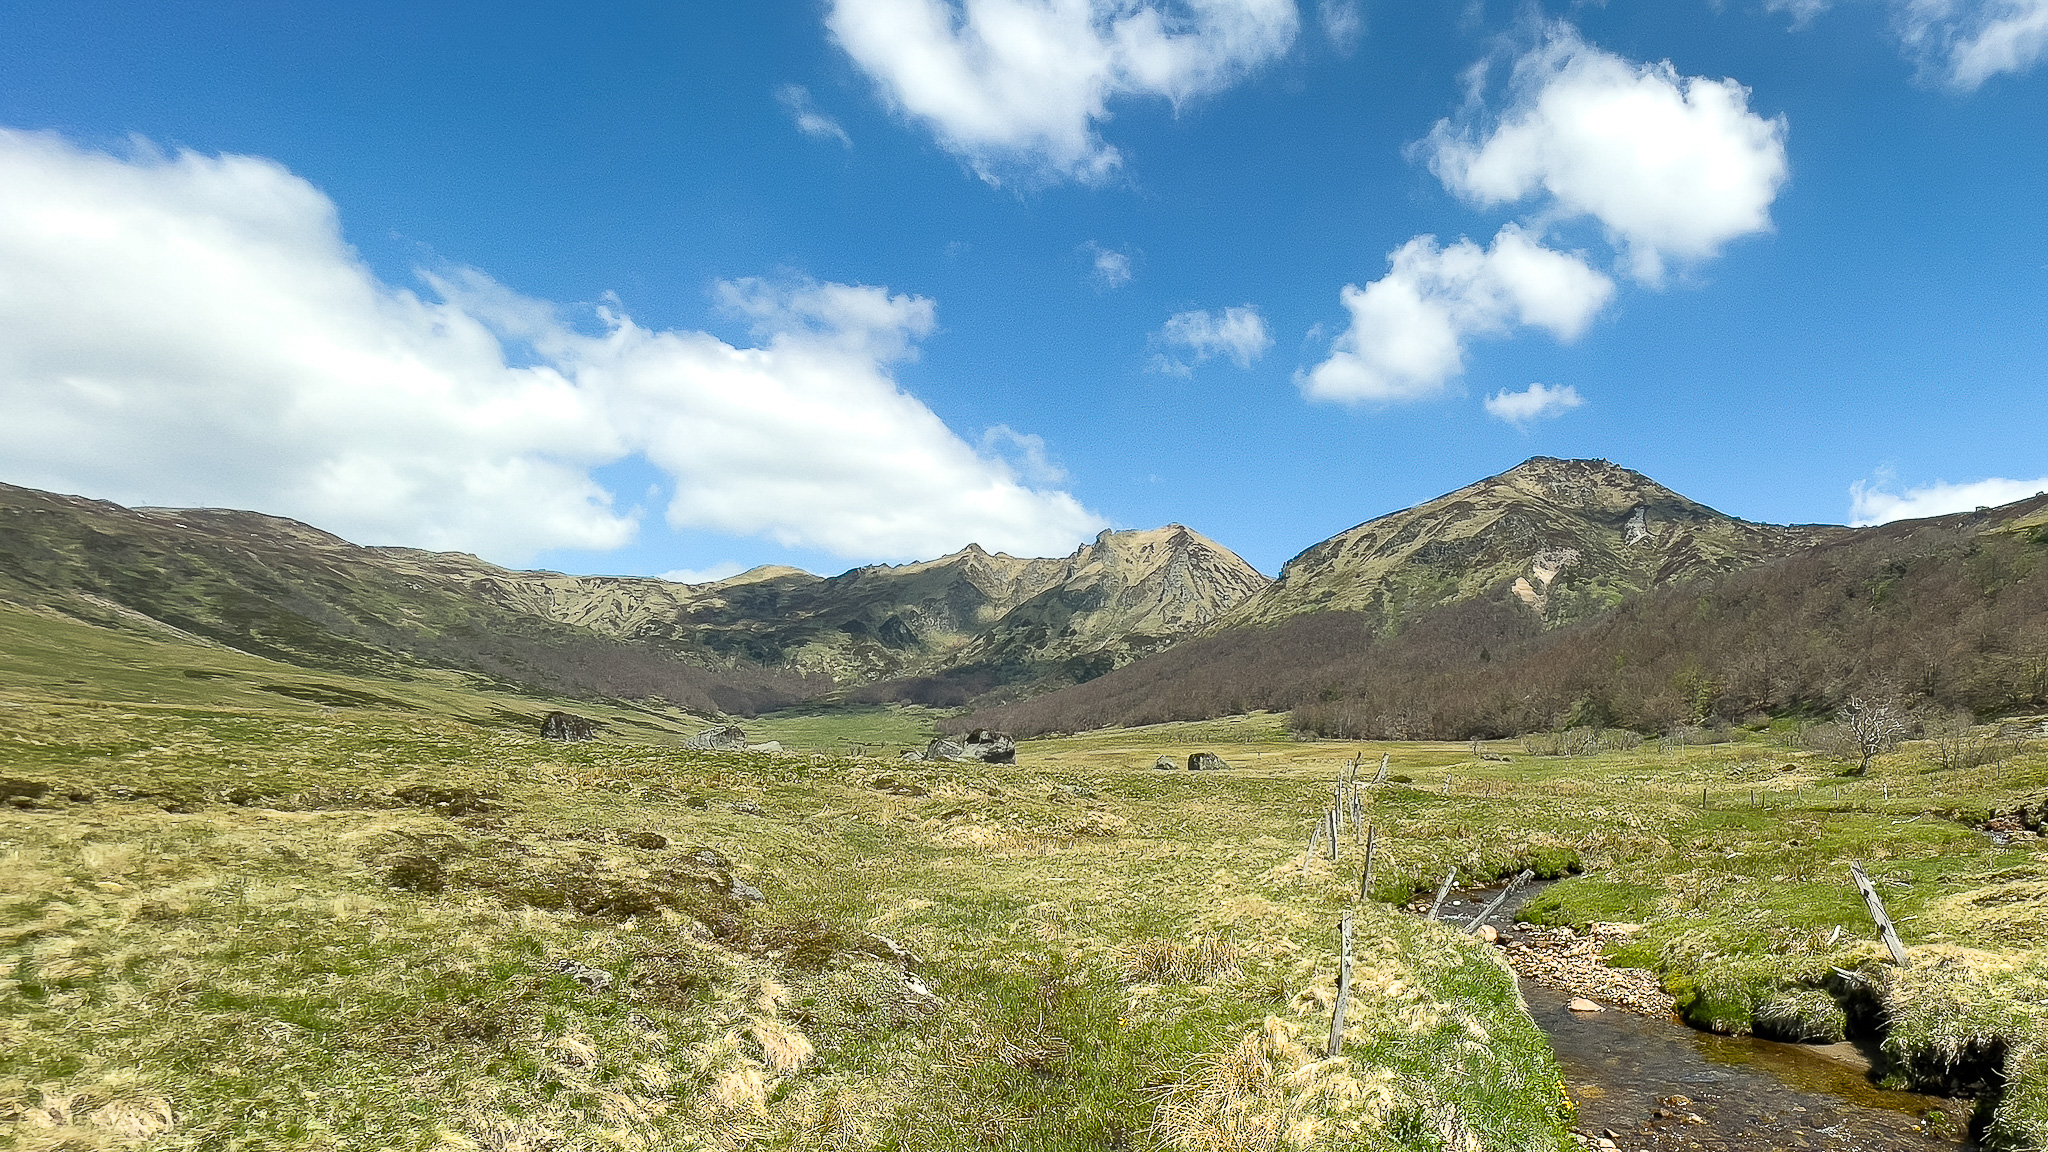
<point x="288" y="591"/>
<point x="1948" y="614"/>
<point x="1566" y="538"/>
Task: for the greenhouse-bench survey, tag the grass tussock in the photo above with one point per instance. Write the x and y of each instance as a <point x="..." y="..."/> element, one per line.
<point x="1158" y="960"/>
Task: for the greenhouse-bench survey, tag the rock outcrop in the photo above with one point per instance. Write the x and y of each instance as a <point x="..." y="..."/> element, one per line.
<point x="1206" y="762"/>
<point x="720" y="738"/>
<point x="567" y="727"/>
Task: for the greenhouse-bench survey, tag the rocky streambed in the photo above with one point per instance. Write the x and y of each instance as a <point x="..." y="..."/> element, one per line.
<point x="1644" y="1082"/>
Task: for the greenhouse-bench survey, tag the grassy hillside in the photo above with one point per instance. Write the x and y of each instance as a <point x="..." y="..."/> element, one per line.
<point x="1949" y="613"/>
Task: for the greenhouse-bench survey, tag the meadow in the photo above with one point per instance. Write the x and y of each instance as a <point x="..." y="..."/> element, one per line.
<point x="371" y="914"/>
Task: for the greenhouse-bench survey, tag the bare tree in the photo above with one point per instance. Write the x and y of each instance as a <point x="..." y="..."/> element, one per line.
<point x="1875" y="722"/>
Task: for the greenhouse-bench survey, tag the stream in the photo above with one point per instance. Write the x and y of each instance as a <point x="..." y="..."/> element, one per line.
<point x="1649" y="1085"/>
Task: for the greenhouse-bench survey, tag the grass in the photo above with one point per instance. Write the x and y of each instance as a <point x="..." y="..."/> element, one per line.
<point x="1745" y="905"/>
<point x="231" y="918"/>
<point x="384" y="914"/>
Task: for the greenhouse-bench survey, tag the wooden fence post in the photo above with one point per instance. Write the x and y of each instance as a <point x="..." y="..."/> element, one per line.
<point x="1343" y="984"/>
<point x="1442" y="891"/>
<point x="1332" y="818"/>
<point x="1365" y="878"/>
<point x="1884" y="922"/>
<point x="1314" y="831"/>
<point x="1486" y="913"/>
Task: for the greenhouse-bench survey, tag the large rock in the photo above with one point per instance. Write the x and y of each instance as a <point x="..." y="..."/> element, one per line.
<point x="1165" y="764"/>
<point x="1206" y="762"/>
<point x="723" y="738"/>
<point x="980" y="744"/>
<point x="568" y="727"/>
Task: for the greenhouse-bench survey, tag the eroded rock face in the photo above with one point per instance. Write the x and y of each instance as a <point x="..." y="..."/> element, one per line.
<point x="567" y="727"/>
<point x="721" y="738"/>
<point x="1206" y="762"/>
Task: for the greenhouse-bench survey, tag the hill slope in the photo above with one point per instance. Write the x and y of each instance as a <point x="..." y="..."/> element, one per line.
<point x="1566" y="538"/>
<point x="287" y="591"/>
<point x="1951" y="612"/>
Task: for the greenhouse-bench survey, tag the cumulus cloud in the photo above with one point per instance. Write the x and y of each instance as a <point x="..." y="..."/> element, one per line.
<point x="1536" y="402"/>
<point x="1020" y="86"/>
<point x="185" y="329"/>
<point x="1959" y="43"/>
<point x="809" y="121"/>
<point x="1238" y="333"/>
<point x="1673" y="167"/>
<point x="711" y="575"/>
<point x="1112" y="267"/>
<point x="1409" y="328"/>
<point x="1873" y="504"/>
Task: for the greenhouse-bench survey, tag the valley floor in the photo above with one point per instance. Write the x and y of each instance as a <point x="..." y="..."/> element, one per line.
<point x="232" y="925"/>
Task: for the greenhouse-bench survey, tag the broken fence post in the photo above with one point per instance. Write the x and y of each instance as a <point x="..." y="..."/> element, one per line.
<point x="1884" y="922"/>
<point x="1487" y="912"/>
<point x="1385" y="758"/>
<point x="1332" y="818"/>
<point x="1442" y="891"/>
<point x="1343" y="984"/>
<point x="1315" y="830"/>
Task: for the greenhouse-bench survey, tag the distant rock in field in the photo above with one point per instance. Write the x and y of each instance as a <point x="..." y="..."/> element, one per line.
<point x="567" y="727"/>
<point x="1206" y="762"/>
<point x="747" y="808"/>
<point x="721" y="738"/>
<point x="912" y="754"/>
<point x="1165" y="764"/>
<point x="592" y="979"/>
<point x="711" y="858"/>
<point x="770" y="746"/>
<point x="747" y="893"/>
<point x="980" y="744"/>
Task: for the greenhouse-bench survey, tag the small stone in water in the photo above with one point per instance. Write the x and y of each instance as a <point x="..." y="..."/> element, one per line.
<point x="1581" y="1004"/>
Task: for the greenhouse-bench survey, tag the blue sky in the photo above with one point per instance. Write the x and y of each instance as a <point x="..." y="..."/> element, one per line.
<point x="691" y="287"/>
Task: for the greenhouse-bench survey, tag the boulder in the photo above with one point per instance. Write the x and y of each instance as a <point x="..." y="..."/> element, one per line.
<point x="1165" y="764"/>
<point x="720" y="738"/>
<point x="567" y="727"/>
<point x="1206" y="762"/>
<point x="770" y="746"/>
<point x="980" y="744"/>
<point x="944" y="749"/>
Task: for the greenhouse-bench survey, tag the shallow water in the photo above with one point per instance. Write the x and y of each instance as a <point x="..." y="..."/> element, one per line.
<point x="1660" y="1086"/>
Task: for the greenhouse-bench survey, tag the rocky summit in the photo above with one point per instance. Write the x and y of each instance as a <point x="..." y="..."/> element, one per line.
<point x="282" y="589"/>
<point x="1567" y="538"/>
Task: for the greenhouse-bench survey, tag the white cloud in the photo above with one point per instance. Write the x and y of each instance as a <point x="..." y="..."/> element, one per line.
<point x="1025" y="452"/>
<point x="1408" y="328"/>
<point x="1871" y="504"/>
<point x="1238" y="333"/>
<point x="711" y="575"/>
<point x="809" y="121"/>
<point x="1673" y="167"/>
<point x="1343" y="24"/>
<point x="1961" y="43"/>
<point x="1019" y="86"/>
<point x="194" y="330"/>
<point x="1112" y="266"/>
<point x="1536" y="402"/>
<point x="1966" y="42"/>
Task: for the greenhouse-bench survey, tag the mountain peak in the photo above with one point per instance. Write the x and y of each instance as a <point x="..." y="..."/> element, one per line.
<point x="1565" y="537"/>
